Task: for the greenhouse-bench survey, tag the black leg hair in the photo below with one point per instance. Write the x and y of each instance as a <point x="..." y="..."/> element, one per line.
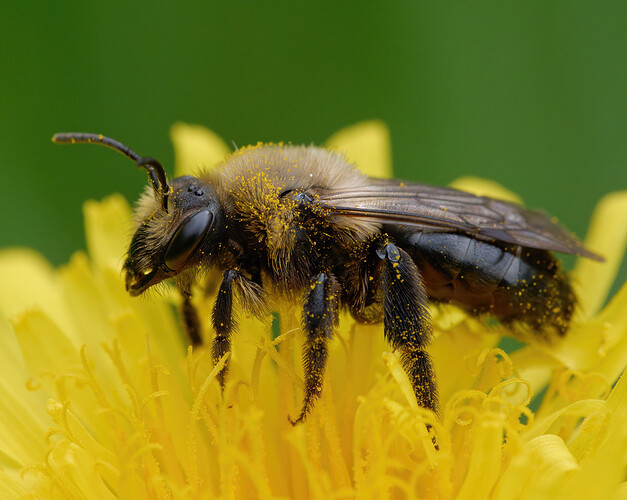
<point x="407" y="324"/>
<point x="224" y="322"/>
<point x="224" y="318"/>
<point x="190" y="320"/>
<point x="319" y="318"/>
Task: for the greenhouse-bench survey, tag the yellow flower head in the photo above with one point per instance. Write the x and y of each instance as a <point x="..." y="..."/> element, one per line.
<point x="100" y="396"/>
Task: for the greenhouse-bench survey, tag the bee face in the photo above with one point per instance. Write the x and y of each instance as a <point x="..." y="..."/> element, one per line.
<point x="167" y="243"/>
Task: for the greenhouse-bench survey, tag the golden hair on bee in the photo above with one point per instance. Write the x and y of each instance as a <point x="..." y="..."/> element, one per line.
<point x="262" y="181"/>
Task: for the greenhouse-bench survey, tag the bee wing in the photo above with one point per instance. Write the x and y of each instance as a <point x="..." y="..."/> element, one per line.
<point x="441" y="209"/>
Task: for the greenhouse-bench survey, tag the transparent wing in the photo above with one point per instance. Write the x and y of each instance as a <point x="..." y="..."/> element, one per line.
<point x="442" y="209"/>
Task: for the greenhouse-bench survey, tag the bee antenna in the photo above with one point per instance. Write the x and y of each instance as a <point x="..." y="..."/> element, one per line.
<point x="155" y="170"/>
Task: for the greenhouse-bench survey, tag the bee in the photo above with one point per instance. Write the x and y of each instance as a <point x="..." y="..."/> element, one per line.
<point x="302" y="223"/>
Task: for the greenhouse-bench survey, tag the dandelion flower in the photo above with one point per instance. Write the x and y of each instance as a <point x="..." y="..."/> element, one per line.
<point x="100" y="396"/>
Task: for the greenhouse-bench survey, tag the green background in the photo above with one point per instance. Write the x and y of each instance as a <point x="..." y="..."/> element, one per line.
<point x="531" y="94"/>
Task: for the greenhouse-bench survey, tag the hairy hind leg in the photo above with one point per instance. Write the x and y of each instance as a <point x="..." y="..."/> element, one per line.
<point x="407" y="323"/>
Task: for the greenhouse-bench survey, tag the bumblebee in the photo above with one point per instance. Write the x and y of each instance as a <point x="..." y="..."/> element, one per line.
<point x="303" y="223"/>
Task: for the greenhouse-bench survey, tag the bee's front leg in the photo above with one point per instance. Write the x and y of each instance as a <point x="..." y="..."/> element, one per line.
<point x="224" y="321"/>
<point x="320" y="315"/>
<point x="250" y="297"/>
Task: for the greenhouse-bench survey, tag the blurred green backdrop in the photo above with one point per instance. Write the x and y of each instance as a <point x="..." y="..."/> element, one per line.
<point x="531" y="94"/>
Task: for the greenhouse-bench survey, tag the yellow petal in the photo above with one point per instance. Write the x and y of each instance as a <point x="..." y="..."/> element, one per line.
<point x="599" y="344"/>
<point x="606" y="236"/>
<point x="30" y="282"/>
<point x="485" y="459"/>
<point x="575" y="410"/>
<point x="485" y="187"/>
<point x="367" y="145"/>
<point x="196" y="148"/>
<point x="76" y="473"/>
<point x="46" y="348"/>
<point x="22" y="426"/>
<point x="603" y="468"/>
<point x="83" y="293"/>
<point x="107" y="229"/>
<point x="612" y="321"/>
<point x="617" y="402"/>
<point x="27" y="279"/>
<point x="535" y="365"/>
<point x="71" y="427"/>
<point x="10" y="487"/>
<point x="539" y="470"/>
<point x="552" y="452"/>
<point x="461" y="345"/>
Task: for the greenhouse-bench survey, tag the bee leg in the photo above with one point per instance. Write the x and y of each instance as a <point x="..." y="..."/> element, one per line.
<point x="319" y="318"/>
<point x="190" y="320"/>
<point x="407" y="323"/>
<point x="224" y="321"/>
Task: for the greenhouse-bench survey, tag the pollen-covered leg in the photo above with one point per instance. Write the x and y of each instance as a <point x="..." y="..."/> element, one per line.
<point x="251" y="298"/>
<point x="224" y="321"/>
<point x="319" y="318"/>
<point x="407" y="324"/>
<point x="190" y="320"/>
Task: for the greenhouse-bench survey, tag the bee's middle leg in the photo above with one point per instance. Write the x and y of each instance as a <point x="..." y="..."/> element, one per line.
<point x="320" y="315"/>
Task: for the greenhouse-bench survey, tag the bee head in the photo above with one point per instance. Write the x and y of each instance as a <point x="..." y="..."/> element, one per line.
<point x="178" y="226"/>
<point x="167" y="243"/>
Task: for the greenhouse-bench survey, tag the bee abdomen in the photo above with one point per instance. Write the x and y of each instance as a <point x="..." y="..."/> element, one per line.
<point x="512" y="283"/>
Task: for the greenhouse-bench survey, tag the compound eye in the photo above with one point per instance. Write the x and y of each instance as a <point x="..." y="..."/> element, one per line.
<point x="186" y="239"/>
